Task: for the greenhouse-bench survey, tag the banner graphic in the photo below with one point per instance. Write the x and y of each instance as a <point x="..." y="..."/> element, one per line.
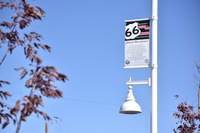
<point x="137" y="43"/>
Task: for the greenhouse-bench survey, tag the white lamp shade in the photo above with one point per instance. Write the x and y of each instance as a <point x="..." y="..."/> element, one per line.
<point x="130" y="106"/>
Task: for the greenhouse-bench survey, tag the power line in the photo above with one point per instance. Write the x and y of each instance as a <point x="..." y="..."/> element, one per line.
<point x="58" y="127"/>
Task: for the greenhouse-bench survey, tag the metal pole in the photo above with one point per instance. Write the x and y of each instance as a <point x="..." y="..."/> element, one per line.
<point x="154" y="119"/>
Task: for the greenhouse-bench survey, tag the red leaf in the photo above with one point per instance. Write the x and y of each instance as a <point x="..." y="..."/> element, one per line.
<point x="22" y="24"/>
<point x="19" y="68"/>
<point x="23" y="74"/>
<point x="48" y="48"/>
<point x="29" y="83"/>
<point x="6" y="24"/>
<point x="41" y="10"/>
<point x="5" y="124"/>
<point x="3" y="4"/>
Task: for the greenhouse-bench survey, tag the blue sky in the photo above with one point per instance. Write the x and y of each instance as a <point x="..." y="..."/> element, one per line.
<point x="87" y="38"/>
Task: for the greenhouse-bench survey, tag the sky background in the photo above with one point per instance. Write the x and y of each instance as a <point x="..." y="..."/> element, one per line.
<point x="87" y="39"/>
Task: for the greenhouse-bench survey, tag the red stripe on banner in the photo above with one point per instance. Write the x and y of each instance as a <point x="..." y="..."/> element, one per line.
<point x="144" y="27"/>
<point x="144" y="33"/>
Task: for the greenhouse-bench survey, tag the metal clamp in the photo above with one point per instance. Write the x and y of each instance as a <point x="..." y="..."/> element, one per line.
<point x="154" y="17"/>
<point x="139" y="82"/>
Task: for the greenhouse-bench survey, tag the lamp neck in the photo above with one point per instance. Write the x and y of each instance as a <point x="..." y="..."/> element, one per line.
<point x="130" y="96"/>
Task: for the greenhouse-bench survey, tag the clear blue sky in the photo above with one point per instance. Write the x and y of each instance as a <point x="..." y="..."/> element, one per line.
<point x="87" y="38"/>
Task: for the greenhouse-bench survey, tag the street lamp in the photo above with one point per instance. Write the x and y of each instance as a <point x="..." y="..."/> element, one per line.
<point x="130" y="106"/>
<point x="130" y="100"/>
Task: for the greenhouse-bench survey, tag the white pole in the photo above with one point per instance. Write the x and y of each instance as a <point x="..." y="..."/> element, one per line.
<point x="154" y="119"/>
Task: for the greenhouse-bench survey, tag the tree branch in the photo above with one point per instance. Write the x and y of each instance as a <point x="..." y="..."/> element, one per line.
<point x="4" y="56"/>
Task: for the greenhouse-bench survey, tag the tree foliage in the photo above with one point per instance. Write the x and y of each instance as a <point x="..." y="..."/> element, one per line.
<point x="40" y="78"/>
<point x="188" y="117"/>
<point x="188" y="120"/>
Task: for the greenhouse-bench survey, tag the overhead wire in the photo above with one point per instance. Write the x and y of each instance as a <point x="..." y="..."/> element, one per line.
<point x="58" y="127"/>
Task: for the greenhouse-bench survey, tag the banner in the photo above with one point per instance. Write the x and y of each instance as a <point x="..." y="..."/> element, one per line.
<point x="137" y="43"/>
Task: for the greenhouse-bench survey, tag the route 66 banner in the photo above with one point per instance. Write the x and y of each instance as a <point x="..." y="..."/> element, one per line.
<point x="137" y="43"/>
